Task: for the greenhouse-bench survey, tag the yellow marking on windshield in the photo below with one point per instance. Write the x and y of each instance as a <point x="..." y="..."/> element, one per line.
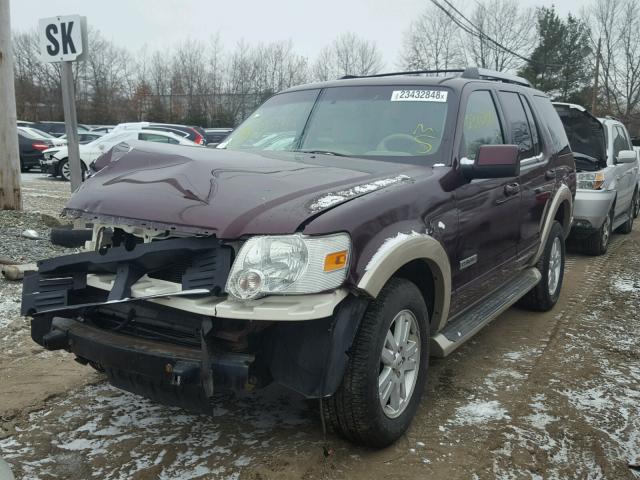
<point x="422" y="136"/>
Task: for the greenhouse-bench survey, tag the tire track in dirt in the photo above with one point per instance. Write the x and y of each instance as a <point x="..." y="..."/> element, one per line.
<point x="566" y="441"/>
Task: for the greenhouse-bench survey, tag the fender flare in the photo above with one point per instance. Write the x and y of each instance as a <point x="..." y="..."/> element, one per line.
<point x="563" y="194"/>
<point x="396" y="252"/>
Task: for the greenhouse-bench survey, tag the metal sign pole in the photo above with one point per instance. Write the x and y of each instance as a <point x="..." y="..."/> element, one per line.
<point x="71" y="123"/>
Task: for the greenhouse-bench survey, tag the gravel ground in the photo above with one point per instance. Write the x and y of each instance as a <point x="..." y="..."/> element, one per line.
<point x="43" y="200"/>
<point x="552" y="395"/>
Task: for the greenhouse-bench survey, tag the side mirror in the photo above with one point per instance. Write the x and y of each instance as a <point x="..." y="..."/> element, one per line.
<point x="627" y="156"/>
<point x="492" y="161"/>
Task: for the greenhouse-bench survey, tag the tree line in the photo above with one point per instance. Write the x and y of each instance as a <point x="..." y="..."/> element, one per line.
<point x="201" y="82"/>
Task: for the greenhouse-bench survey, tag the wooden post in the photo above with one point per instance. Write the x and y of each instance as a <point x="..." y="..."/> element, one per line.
<point x="10" y="197"/>
<point x="594" y="94"/>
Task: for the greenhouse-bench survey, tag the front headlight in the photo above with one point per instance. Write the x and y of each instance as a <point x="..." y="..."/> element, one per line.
<point x="591" y="180"/>
<point x="289" y="264"/>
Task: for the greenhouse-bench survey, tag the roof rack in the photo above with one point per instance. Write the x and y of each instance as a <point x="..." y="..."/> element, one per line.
<point x="394" y="74"/>
<point x="469" y="72"/>
<point x="485" y="74"/>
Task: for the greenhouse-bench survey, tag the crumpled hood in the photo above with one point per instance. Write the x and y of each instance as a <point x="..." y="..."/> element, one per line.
<point x="227" y="193"/>
<point x="586" y="136"/>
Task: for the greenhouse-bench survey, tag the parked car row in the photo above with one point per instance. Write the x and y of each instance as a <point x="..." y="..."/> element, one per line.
<point x="55" y="160"/>
<point x="47" y="148"/>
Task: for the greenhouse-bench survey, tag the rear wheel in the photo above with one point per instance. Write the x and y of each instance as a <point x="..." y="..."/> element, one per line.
<point x="386" y="370"/>
<point x="627" y="226"/>
<point x="598" y="242"/>
<point x="551" y="265"/>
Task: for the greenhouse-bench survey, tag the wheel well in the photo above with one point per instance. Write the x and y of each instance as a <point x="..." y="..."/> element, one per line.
<point x="563" y="215"/>
<point x="419" y="273"/>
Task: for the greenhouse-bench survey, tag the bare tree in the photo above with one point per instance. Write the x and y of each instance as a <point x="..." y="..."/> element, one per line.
<point x="348" y="54"/>
<point x="506" y="23"/>
<point x="431" y="42"/>
<point x="617" y="24"/>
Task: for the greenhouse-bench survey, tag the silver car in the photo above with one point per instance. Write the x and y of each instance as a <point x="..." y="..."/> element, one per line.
<point x="607" y="197"/>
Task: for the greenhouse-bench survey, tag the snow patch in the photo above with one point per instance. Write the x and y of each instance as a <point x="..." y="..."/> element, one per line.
<point x="333" y="198"/>
<point x="627" y="285"/>
<point x="387" y="245"/>
<point x="480" y="412"/>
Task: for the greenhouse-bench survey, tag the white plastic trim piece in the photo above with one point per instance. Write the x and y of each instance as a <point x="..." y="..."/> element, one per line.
<point x="273" y="308"/>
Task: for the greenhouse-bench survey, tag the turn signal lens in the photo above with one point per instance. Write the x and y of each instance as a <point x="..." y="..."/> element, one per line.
<point x="335" y="261"/>
<point x="591" y="180"/>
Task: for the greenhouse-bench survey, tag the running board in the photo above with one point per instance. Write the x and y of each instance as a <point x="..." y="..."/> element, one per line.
<point x="460" y="329"/>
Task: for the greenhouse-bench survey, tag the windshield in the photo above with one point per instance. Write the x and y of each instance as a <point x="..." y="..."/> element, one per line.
<point x="36" y="133"/>
<point x="364" y="121"/>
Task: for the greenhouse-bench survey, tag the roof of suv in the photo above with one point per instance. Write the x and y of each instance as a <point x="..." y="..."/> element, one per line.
<point x="456" y="81"/>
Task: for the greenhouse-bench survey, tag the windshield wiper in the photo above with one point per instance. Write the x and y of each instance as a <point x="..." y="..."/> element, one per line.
<point x="323" y="152"/>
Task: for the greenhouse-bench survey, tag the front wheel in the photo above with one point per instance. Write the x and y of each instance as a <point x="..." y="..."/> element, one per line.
<point x="386" y="370"/>
<point x="551" y="265"/>
<point x="627" y="226"/>
<point x="598" y="242"/>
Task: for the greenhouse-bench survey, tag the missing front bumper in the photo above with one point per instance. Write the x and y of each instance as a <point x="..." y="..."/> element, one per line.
<point x="171" y="374"/>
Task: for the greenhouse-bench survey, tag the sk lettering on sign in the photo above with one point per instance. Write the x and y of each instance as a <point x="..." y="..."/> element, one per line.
<point x="63" y="38"/>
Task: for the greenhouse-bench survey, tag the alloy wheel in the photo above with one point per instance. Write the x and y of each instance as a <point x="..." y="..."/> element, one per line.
<point x="555" y="266"/>
<point x="65" y="171"/>
<point x="399" y="364"/>
<point x="606" y="231"/>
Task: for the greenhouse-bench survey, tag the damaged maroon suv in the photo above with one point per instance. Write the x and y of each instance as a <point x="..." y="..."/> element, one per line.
<point x="345" y="232"/>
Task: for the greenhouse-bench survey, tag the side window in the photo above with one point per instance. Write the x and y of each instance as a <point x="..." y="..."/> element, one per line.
<point x="481" y="124"/>
<point x="520" y="132"/>
<point x="549" y="116"/>
<point x="152" y="137"/>
<point x="626" y="136"/>
<point x="619" y="141"/>
<point x="533" y="125"/>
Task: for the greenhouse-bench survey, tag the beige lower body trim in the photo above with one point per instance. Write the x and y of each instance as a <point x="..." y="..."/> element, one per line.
<point x="278" y="308"/>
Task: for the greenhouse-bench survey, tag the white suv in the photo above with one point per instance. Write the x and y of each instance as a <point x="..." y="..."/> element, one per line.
<point x="607" y="196"/>
<point x="56" y="159"/>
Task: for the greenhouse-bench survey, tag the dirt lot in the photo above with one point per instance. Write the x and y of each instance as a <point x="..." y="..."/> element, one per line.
<point x="553" y="395"/>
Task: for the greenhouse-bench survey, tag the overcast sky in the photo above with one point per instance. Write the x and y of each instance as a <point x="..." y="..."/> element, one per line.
<point x="161" y="23"/>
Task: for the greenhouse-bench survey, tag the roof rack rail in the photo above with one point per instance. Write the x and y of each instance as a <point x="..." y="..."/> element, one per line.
<point x="485" y="74"/>
<point x="469" y="72"/>
<point x="410" y="72"/>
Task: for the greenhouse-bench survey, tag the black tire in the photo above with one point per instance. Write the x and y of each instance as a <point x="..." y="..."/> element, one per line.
<point x="69" y="237"/>
<point x="355" y="410"/>
<point x="540" y="298"/>
<point x="627" y="226"/>
<point x="62" y="167"/>
<point x="598" y="242"/>
<point x="636" y="209"/>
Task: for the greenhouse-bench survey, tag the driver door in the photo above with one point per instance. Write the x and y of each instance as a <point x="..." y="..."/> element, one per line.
<point x="488" y="210"/>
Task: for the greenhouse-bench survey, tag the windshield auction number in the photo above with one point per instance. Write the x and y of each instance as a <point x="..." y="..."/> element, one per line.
<point x="419" y="96"/>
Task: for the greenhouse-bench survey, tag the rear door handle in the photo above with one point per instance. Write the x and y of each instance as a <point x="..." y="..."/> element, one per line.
<point x="550" y="174"/>
<point x="512" y="189"/>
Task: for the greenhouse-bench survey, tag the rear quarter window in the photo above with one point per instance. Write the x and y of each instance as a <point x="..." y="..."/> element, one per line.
<point x="554" y="126"/>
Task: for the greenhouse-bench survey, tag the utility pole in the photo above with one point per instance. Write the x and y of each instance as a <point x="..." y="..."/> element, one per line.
<point x="594" y="94"/>
<point x="10" y="197"/>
